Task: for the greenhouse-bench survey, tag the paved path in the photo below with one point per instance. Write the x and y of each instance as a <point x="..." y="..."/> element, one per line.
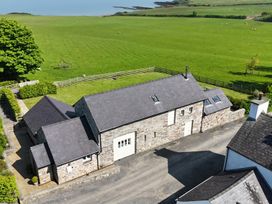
<point x="155" y="176"/>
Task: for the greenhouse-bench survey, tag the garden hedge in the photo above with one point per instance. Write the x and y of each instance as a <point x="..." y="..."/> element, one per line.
<point x="239" y="103"/>
<point x="8" y="190"/>
<point x="36" y="90"/>
<point x="10" y="102"/>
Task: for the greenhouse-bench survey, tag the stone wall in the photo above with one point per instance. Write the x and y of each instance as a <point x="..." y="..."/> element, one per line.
<point x="221" y="118"/>
<point x="78" y="168"/>
<point x="45" y="175"/>
<point x="152" y="132"/>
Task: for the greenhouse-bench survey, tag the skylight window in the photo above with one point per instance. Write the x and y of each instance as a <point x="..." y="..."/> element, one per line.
<point x="207" y="102"/>
<point x="216" y="99"/>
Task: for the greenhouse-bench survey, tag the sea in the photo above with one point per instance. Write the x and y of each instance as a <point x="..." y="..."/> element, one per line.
<point x="70" y="7"/>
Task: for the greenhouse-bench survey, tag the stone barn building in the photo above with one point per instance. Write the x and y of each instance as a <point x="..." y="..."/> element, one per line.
<point x="103" y="128"/>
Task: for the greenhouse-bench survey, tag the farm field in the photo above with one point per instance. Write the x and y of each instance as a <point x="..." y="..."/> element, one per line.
<point x="243" y="10"/>
<point x="226" y="2"/>
<point x="215" y="48"/>
<point x="73" y="93"/>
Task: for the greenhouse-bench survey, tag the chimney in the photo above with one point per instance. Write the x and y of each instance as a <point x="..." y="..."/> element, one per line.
<point x="258" y="106"/>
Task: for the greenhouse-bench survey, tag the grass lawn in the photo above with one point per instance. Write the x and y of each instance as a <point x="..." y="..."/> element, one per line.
<point x="228" y="92"/>
<point x="215" y="48"/>
<point x="244" y="10"/>
<point x="227" y="2"/>
<point x="72" y="94"/>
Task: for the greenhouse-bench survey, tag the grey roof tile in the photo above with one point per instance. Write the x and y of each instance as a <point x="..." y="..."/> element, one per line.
<point x="120" y="107"/>
<point x="215" y="107"/>
<point x="47" y="111"/>
<point x="40" y="156"/>
<point x="69" y="140"/>
<point x="254" y="141"/>
<point x="214" y="185"/>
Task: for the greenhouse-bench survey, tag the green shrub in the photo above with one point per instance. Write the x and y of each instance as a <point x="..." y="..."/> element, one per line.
<point x="39" y="89"/>
<point x="8" y="189"/>
<point x="2" y="165"/>
<point x="239" y="103"/>
<point x="7" y="83"/>
<point x="34" y="179"/>
<point x="10" y="102"/>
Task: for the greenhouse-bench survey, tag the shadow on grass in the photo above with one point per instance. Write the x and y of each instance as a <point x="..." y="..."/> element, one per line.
<point x="249" y="86"/>
<point x="190" y="168"/>
<point x="264" y="69"/>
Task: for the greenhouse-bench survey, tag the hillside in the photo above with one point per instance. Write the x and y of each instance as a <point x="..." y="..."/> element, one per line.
<point x="223" y="2"/>
<point x="215" y="48"/>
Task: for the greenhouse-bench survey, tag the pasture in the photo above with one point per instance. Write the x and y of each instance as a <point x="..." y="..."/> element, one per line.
<point x="226" y="2"/>
<point x="241" y="10"/>
<point x="215" y="48"/>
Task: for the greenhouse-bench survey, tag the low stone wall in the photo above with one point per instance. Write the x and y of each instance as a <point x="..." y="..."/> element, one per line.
<point x="76" y="169"/>
<point x="45" y="175"/>
<point x="221" y="118"/>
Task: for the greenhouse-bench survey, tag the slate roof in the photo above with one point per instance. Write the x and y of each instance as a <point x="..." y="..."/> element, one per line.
<point x="124" y="106"/>
<point x="69" y="140"/>
<point x="214" y="186"/>
<point x="254" y="141"/>
<point x="215" y="107"/>
<point x="40" y="156"/>
<point x="47" y="111"/>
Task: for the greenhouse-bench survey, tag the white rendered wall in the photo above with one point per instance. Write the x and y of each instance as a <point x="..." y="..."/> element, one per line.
<point x="256" y="110"/>
<point x="237" y="161"/>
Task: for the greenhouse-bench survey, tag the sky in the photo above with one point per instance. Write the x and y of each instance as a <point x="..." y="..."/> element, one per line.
<point x="68" y="7"/>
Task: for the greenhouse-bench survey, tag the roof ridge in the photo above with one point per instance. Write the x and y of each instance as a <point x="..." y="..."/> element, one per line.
<point x="49" y="99"/>
<point x="57" y="123"/>
<point x="136" y="85"/>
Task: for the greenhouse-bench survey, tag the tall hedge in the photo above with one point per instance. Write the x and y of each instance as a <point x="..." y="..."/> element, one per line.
<point x="10" y="102"/>
<point x="39" y="89"/>
<point x="8" y="190"/>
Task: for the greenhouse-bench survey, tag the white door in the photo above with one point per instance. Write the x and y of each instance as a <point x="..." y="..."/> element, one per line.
<point x="124" y="146"/>
<point x="188" y="128"/>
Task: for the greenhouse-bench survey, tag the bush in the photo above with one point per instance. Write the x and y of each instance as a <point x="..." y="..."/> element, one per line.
<point x="238" y="104"/>
<point x="2" y="165"/>
<point x="8" y="189"/>
<point x="10" y="102"/>
<point x="7" y="83"/>
<point x="34" y="179"/>
<point x="39" y="89"/>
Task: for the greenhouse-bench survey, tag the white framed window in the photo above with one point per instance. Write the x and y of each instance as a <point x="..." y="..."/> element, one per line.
<point x="171" y="117"/>
<point x="182" y="112"/>
<point x="190" y="110"/>
<point x="69" y="168"/>
<point x="87" y="158"/>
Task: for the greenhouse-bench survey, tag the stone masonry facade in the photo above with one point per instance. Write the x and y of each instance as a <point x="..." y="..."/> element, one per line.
<point x="76" y="169"/>
<point x="220" y="118"/>
<point x="45" y="174"/>
<point x="152" y="132"/>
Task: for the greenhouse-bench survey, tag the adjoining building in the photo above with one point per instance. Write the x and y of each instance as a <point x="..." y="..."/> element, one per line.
<point x="106" y="127"/>
<point x="247" y="175"/>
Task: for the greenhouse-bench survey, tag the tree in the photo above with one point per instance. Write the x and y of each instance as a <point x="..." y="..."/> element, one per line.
<point x="251" y="66"/>
<point x="19" y="53"/>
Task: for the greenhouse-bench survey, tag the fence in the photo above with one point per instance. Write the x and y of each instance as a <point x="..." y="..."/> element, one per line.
<point x="243" y="88"/>
<point x="248" y="88"/>
<point x="101" y="76"/>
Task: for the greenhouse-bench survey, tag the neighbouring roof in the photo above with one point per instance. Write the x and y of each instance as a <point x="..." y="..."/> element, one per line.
<point x="69" y="140"/>
<point x="254" y="141"/>
<point x="40" y="156"/>
<point x="47" y="111"/>
<point x="213" y="106"/>
<point x="120" y="107"/>
<point x="224" y="181"/>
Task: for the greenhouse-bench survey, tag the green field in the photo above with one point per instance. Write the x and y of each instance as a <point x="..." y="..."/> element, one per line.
<point x="72" y="94"/>
<point x="215" y="48"/>
<point x="226" y="2"/>
<point x="245" y="10"/>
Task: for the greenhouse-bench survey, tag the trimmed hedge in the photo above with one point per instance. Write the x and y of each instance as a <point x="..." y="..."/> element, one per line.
<point x="9" y="100"/>
<point x="7" y="83"/>
<point x="8" y="190"/>
<point x="40" y="89"/>
<point x="3" y="141"/>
